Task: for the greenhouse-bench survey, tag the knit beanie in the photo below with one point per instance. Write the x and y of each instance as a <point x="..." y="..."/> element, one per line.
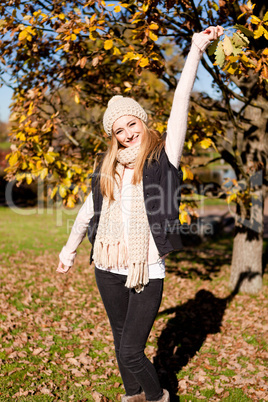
<point x="119" y="106"/>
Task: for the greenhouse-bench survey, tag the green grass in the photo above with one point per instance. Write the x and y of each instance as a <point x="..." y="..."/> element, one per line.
<point x="34" y="229"/>
<point x="4" y="145"/>
<point x="204" y="201"/>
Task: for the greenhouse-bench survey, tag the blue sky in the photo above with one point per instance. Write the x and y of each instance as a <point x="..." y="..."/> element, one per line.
<point x="5" y="100"/>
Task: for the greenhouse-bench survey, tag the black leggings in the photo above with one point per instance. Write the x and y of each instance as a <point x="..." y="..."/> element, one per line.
<point x="131" y="316"/>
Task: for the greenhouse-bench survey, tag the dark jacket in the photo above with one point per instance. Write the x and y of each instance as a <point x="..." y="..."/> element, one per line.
<point x="161" y="190"/>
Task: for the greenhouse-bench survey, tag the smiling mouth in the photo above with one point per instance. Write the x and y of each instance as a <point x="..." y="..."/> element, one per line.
<point x="133" y="139"/>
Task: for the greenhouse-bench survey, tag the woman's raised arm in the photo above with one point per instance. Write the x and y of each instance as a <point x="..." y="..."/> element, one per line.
<point x="177" y="123"/>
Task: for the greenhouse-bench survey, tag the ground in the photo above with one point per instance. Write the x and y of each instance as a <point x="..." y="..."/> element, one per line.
<point x="56" y="343"/>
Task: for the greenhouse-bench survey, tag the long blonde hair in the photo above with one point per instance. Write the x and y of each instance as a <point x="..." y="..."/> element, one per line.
<point x="151" y="147"/>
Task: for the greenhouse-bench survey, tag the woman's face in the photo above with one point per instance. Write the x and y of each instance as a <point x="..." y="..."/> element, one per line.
<point x="128" y="130"/>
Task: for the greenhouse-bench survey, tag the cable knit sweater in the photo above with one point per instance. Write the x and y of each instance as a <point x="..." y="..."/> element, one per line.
<point x="176" y="131"/>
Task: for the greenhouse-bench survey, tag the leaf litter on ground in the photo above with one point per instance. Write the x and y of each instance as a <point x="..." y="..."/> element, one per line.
<point x="56" y="340"/>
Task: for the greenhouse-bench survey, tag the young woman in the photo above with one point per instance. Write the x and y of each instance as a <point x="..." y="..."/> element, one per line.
<point x="131" y="217"/>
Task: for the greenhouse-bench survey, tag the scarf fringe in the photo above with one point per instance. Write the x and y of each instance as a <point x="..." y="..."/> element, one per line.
<point x="110" y="255"/>
<point x="138" y="276"/>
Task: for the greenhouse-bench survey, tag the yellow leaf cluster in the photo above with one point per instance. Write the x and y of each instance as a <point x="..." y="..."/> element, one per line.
<point x="27" y="33"/>
<point x="153" y="36"/>
<point x="117" y="9"/>
<point x="108" y="44"/>
<point x="231" y="198"/>
<point x="187" y="173"/>
<point x="206" y="143"/>
<point x="144" y="62"/>
<point x="132" y="56"/>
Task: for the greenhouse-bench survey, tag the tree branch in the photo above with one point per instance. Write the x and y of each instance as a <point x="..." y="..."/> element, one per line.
<point x="207" y="163"/>
<point x="73" y="140"/>
<point x="197" y="20"/>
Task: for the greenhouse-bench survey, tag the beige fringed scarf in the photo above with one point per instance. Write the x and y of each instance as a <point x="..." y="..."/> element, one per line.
<point x="110" y="249"/>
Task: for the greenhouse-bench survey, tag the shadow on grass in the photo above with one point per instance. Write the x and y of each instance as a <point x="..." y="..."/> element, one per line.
<point x="203" y="261"/>
<point x="186" y="332"/>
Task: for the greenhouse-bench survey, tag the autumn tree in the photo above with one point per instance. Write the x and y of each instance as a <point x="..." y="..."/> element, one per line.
<point x="67" y="58"/>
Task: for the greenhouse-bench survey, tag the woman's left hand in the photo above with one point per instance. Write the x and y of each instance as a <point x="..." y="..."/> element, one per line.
<point x="213" y="33"/>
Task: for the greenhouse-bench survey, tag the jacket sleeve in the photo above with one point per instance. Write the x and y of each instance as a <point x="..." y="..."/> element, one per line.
<point x="177" y="122"/>
<point x="78" y="232"/>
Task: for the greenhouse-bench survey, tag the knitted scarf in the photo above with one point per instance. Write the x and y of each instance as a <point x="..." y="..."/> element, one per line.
<point x="110" y="249"/>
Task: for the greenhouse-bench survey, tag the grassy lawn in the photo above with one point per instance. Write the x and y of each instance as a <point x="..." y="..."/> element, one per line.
<point x="4" y="145"/>
<point x="56" y="343"/>
<point x="34" y="229"/>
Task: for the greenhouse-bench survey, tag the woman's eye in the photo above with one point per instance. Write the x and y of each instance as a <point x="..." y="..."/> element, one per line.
<point x="132" y="124"/>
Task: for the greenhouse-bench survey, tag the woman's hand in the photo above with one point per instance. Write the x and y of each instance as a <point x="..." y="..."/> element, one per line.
<point x="63" y="269"/>
<point x="213" y="33"/>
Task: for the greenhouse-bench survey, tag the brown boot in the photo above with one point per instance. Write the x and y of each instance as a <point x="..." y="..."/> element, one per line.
<point x="134" y="398"/>
<point x="165" y="397"/>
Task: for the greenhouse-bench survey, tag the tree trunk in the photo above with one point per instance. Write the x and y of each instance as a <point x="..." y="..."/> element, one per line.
<point x="246" y="269"/>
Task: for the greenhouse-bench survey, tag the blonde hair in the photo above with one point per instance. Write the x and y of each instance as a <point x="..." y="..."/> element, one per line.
<point x="151" y="146"/>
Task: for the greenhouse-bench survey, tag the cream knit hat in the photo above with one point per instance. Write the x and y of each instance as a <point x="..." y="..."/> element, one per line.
<point x="119" y="106"/>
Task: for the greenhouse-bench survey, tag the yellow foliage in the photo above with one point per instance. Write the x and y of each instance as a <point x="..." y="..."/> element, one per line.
<point x="22" y="118"/>
<point x="116" y="51"/>
<point x="117" y="9"/>
<point x="29" y="178"/>
<point x="265" y="32"/>
<point x="31" y="107"/>
<point x="70" y="201"/>
<point x="77" y="99"/>
<point x="21" y="136"/>
<point x="49" y="158"/>
<point x="13" y="159"/>
<point x="20" y="176"/>
<point x="187" y="173"/>
<point x="38" y="165"/>
<point x="44" y="173"/>
<point x="232" y="69"/>
<point x="53" y="193"/>
<point x="255" y="20"/>
<point x="184" y="217"/>
<point x="145" y="7"/>
<point x="189" y="144"/>
<point x="75" y="190"/>
<point x="144" y="62"/>
<point x="206" y="143"/>
<point x="131" y="56"/>
<point x="259" y="32"/>
<point x="231" y="198"/>
<point x="153" y="36"/>
<point x="108" y="44"/>
<point x="84" y="188"/>
<point x="153" y="26"/>
<point x="62" y="191"/>
<point x="77" y="169"/>
<point x="23" y="34"/>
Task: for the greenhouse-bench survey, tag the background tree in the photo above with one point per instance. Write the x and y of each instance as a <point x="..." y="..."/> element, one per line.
<point x="67" y="58"/>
